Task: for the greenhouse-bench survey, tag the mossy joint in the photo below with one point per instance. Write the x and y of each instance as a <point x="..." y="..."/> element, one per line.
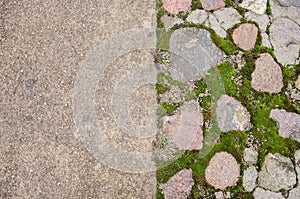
<point x="259" y="104"/>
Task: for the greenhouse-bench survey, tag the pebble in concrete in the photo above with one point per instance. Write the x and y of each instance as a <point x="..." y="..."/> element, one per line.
<point x="227" y="17"/>
<point x="197" y="16"/>
<point x="212" y="4"/>
<point x="283" y="11"/>
<point x="245" y="36"/>
<point x="192" y="54"/>
<point x="250" y="155"/>
<point x="285" y="38"/>
<point x="249" y="178"/>
<point x="267" y="76"/>
<point x="277" y="173"/>
<point x="179" y="186"/>
<point x="175" y="6"/>
<point x="295" y="3"/>
<point x="288" y="123"/>
<point x="185" y="128"/>
<point x="260" y="193"/>
<point x="223" y="171"/>
<point x="232" y="115"/>
<point x="257" y="6"/>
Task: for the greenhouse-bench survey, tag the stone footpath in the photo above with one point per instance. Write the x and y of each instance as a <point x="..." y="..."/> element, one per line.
<point x="253" y="47"/>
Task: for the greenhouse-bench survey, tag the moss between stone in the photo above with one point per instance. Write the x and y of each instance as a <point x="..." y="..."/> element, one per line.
<point x="225" y="44"/>
<point x="182" y="15"/>
<point x="259" y="105"/>
<point x="159" y="3"/>
<point x="161" y="89"/>
<point x="196" y="4"/>
<point x="160" y="14"/>
<point x="264" y="129"/>
<point x="269" y="9"/>
<point x="229" y="3"/>
<point x="163" y="39"/>
<point x="167" y="108"/>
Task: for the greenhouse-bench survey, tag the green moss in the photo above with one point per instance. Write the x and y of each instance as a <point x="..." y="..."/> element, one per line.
<point x="161" y="89"/>
<point x="159" y="3"/>
<point x="182" y="15"/>
<point x="225" y="44"/>
<point x="264" y="129"/>
<point x="260" y="104"/>
<point x="196" y="4"/>
<point x="233" y="143"/>
<point x="167" y="108"/>
<point x="287" y="72"/>
<point x="269" y="9"/>
<point x="159" y="194"/>
<point x="160" y="78"/>
<point x="160" y="13"/>
<point x="241" y="10"/>
<point x="164" y="39"/>
<point x="175" y="82"/>
<point x="229" y="3"/>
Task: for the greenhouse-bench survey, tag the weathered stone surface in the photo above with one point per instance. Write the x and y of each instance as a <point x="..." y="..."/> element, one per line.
<point x="192" y="54"/>
<point x="262" y="20"/>
<point x="216" y="26"/>
<point x="169" y="21"/>
<point x="285" y="38"/>
<point x="260" y="193"/>
<point x="277" y="173"/>
<point x="266" y="40"/>
<point x="250" y="155"/>
<point x="223" y="171"/>
<point x="290" y="12"/>
<point x="227" y="17"/>
<point x="179" y="186"/>
<point x="295" y="3"/>
<point x="295" y="95"/>
<point x="249" y="178"/>
<point x="174" y="6"/>
<point x="197" y="16"/>
<point x="245" y="36"/>
<point x="219" y="195"/>
<point x="288" y="123"/>
<point x="297" y="83"/>
<point x="257" y="6"/>
<point x="212" y="4"/>
<point x="295" y="193"/>
<point x="267" y="76"/>
<point x="232" y="115"/>
<point x="184" y="128"/>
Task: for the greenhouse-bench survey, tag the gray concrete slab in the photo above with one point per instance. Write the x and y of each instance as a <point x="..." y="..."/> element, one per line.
<point x="42" y="46"/>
